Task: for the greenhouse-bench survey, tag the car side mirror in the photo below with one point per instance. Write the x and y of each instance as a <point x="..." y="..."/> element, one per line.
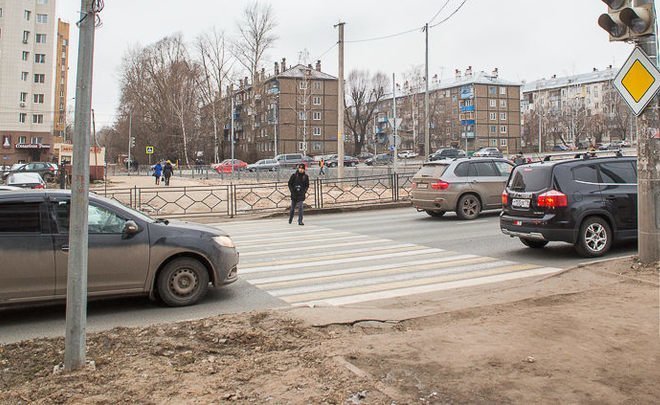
<point x="130" y="229"/>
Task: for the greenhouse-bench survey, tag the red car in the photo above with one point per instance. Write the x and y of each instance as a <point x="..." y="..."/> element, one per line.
<point x="226" y="165"/>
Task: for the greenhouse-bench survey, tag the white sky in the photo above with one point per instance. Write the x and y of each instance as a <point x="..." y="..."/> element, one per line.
<point x="525" y="39"/>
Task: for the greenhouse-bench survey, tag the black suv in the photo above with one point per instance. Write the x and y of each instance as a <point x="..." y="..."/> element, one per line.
<point x="589" y="203"/>
<point x="48" y="171"/>
<point x="446" y="153"/>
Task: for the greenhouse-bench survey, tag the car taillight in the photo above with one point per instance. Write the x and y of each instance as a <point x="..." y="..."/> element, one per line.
<point x="51" y="169"/>
<point x="39" y="186"/>
<point x="552" y="199"/>
<point x="505" y="197"/>
<point x="440" y="185"/>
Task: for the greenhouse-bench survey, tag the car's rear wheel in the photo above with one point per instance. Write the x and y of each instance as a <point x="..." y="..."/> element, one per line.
<point x="182" y="282"/>
<point x="435" y="214"/>
<point x="595" y="238"/>
<point x="468" y="207"/>
<point x="534" y="244"/>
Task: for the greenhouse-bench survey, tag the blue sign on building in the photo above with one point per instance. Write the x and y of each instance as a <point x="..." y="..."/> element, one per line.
<point x="467" y="92"/>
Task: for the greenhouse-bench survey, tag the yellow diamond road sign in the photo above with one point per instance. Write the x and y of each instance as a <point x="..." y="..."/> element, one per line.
<point x="638" y="81"/>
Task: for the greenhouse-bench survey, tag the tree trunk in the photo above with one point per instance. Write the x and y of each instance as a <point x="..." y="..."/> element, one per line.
<point x="185" y="140"/>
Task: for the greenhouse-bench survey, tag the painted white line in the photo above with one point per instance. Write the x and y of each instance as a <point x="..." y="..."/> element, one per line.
<point x="275" y="238"/>
<point x="293" y="242"/>
<point x="322" y="247"/>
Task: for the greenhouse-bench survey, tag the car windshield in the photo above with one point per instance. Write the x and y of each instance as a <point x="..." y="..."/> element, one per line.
<point x="434" y="170"/>
<point x="530" y="178"/>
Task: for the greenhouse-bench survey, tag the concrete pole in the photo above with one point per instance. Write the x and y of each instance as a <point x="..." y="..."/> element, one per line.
<point x="427" y="119"/>
<point x="76" y="298"/>
<point x="540" y="123"/>
<point x="232" y="132"/>
<point x="396" y="150"/>
<point x="648" y="172"/>
<point x="130" y="141"/>
<point x="340" y="104"/>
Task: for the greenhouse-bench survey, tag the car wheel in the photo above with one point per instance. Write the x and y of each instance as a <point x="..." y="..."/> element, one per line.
<point x="534" y="244"/>
<point x="435" y="214"/>
<point x="595" y="237"/>
<point x="182" y="282"/>
<point x="468" y="207"/>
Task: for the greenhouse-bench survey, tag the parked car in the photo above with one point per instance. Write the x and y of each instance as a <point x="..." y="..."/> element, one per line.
<point x="605" y="146"/>
<point x="488" y="152"/>
<point x="446" y="153"/>
<point x="129" y="252"/>
<point x="589" y="203"/>
<point x="10" y="188"/>
<point x="464" y="185"/>
<point x="226" y="166"/>
<point x="408" y="154"/>
<point x="264" y="165"/>
<point x="25" y="180"/>
<point x="380" y="159"/>
<point x="47" y="171"/>
<point x="560" y="148"/>
<point x="291" y="160"/>
<point x="349" y="161"/>
<point x="362" y="157"/>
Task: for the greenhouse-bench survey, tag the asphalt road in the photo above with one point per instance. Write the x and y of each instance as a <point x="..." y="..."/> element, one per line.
<point x="281" y="259"/>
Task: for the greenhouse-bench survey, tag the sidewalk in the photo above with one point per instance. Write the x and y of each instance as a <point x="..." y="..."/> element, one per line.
<point x="584" y="335"/>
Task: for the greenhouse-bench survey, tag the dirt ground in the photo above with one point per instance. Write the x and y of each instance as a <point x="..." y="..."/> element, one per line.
<point x="596" y="344"/>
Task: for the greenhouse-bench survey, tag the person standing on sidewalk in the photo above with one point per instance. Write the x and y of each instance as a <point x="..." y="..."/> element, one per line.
<point x="158" y="172"/>
<point x="168" y="170"/>
<point x="322" y="167"/>
<point x="298" y="186"/>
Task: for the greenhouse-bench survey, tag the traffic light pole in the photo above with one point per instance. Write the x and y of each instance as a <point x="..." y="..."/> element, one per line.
<point x="648" y="173"/>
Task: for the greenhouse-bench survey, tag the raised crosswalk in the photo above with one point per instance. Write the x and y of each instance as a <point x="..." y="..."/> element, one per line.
<point x="316" y="265"/>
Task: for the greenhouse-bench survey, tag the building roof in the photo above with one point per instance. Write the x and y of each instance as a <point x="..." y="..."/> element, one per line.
<point x="298" y="72"/>
<point x="574" y="80"/>
<point x="475" y="78"/>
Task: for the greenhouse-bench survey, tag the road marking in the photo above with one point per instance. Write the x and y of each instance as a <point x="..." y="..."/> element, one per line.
<point x="262" y="252"/>
<point x="319" y="241"/>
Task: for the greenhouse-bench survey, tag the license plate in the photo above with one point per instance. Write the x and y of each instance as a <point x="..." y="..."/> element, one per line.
<point x="520" y="203"/>
<point x="422" y="185"/>
<point x="517" y="223"/>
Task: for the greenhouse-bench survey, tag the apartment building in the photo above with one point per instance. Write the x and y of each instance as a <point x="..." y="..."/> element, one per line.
<point x="61" y="80"/>
<point x="472" y="110"/>
<point x="294" y="110"/>
<point x="27" y="79"/>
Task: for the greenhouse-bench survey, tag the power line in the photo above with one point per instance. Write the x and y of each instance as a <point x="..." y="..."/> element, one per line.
<point x="450" y="15"/>
<point x="439" y="11"/>
<point x="326" y="52"/>
<point x="385" y="36"/>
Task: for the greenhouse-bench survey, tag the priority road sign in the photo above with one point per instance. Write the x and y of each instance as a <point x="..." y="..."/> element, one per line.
<point x="150" y="150"/>
<point x="638" y="81"/>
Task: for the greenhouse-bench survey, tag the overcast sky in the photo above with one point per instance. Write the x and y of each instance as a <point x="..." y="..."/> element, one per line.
<point x="525" y="39"/>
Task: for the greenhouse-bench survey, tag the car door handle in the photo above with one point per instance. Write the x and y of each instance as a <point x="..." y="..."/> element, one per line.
<point x="64" y="248"/>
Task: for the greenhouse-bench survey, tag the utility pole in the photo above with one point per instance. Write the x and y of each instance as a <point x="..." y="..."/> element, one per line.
<point x="540" y="123"/>
<point x="427" y="119"/>
<point x="396" y="150"/>
<point x="130" y="142"/>
<point x="340" y="104"/>
<point x="76" y="291"/>
<point x="232" y="131"/>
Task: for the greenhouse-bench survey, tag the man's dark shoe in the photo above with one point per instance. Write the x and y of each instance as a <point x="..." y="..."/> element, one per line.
<point x="300" y="223"/>
<point x="290" y="220"/>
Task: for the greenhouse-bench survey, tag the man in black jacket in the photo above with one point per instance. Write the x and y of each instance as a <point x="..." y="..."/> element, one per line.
<point x="298" y="186"/>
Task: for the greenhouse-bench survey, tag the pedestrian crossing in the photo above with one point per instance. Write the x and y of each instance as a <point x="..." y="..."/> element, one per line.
<point x="317" y="265"/>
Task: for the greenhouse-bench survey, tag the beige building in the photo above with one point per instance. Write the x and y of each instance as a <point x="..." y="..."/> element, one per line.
<point x="61" y="79"/>
<point x="294" y="110"/>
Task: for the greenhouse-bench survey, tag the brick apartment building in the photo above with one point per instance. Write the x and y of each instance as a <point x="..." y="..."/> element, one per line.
<point x="470" y="111"/>
<point x="294" y="110"/>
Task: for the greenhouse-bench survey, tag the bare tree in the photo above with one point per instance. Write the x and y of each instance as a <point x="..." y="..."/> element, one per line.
<point x="365" y="92"/>
<point x="214" y="61"/>
<point x="256" y="35"/>
<point x="617" y="114"/>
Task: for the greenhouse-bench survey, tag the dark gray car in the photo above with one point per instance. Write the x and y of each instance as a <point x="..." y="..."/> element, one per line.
<point x="129" y="252"/>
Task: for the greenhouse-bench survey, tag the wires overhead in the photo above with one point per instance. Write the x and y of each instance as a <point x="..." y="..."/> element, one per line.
<point x="385" y="36"/>
<point x="326" y="52"/>
<point x="439" y="11"/>
<point x="460" y="6"/>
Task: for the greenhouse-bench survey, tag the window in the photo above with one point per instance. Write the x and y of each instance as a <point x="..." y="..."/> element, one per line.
<point x="502" y="129"/>
<point x="317" y="146"/>
<point x="492" y="103"/>
<point x="503" y="116"/>
<point x="41" y="38"/>
<point x="317" y="85"/>
<point x="302" y="116"/>
<point x="0" y="11"/>
<point x="492" y="90"/>
<point x="461" y="170"/>
<point x="502" y="103"/>
<point x="37" y="118"/>
<point x="504" y="142"/>
<point x="35" y="140"/>
<point x="482" y="169"/>
<point x="20" y="217"/>
<point x="26" y="36"/>
<point x="317" y="131"/>
<point x="100" y="220"/>
<point x="586" y="174"/>
<point x="316" y="100"/>
<point x="39" y="78"/>
<point x="23" y="97"/>
<point x="39" y="58"/>
<point x="493" y="116"/>
<point x="38" y="98"/>
<point x="493" y="129"/>
<point x="42" y="18"/>
<point x="24" y="76"/>
<point x="25" y="56"/>
<point x="42" y="2"/>
<point x="504" y="168"/>
<point x="27" y="14"/>
<point x="618" y="173"/>
<point x="22" y="139"/>
<point x="502" y="91"/>
<point x="317" y="116"/>
<point x="21" y="118"/>
<point x="493" y="142"/>
<point x="6" y="141"/>
<point x="302" y="85"/>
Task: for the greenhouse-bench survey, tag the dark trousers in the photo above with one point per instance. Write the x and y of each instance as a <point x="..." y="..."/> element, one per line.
<point x="300" y="205"/>
<point x="167" y="180"/>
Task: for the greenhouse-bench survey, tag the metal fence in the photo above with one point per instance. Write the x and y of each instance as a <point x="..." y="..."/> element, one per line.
<point x="245" y="198"/>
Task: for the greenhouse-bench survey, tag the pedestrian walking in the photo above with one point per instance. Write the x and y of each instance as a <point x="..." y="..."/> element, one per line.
<point x="322" y="167"/>
<point x="158" y="172"/>
<point x="298" y="186"/>
<point x="519" y="159"/>
<point x="168" y="170"/>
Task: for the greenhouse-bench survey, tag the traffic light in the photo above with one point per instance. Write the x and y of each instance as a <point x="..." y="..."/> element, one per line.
<point x="611" y="21"/>
<point x="132" y="142"/>
<point x="639" y="20"/>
